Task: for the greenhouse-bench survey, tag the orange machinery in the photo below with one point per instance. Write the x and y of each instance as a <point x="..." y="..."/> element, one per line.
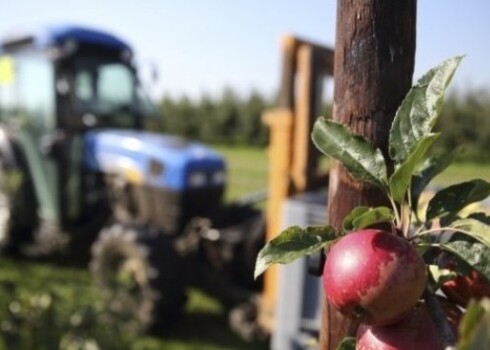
<point x="294" y="165"/>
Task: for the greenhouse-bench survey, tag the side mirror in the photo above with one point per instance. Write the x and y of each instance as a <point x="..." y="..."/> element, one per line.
<point x="155" y="74"/>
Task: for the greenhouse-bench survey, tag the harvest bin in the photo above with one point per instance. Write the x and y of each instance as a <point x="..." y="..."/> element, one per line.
<point x="298" y="307"/>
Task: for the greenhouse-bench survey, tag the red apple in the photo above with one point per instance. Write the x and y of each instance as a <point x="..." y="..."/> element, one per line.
<point x="463" y="288"/>
<point x="416" y="331"/>
<point x="374" y="276"/>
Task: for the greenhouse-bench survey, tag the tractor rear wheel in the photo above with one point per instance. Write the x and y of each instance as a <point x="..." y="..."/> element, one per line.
<point x="17" y="209"/>
<point x="5" y="216"/>
<point x="138" y="274"/>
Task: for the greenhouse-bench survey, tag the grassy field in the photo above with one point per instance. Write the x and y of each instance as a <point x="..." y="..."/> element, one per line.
<point x="35" y="298"/>
<point x="463" y="172"/>
<point x="248" y="171"/>
<point x="28" y="287"/>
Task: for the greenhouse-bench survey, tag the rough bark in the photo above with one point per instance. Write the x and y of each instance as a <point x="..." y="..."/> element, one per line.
<point x="374" y="60"/>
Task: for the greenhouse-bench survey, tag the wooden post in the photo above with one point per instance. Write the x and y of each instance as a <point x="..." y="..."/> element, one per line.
<point x="308" y="99"/>
<point x="279" y="151"/>
<point x="374" y="60"/>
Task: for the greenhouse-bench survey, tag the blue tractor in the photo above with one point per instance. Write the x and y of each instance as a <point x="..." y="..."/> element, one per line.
<point x="80" y="176"/>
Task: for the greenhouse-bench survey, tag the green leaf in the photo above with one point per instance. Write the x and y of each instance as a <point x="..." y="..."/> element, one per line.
<point x="359" y="157"/>
<point x="473" y="228"/>
<point x="419" y="110"/>
<point x="475" y="254"/>
<point x="449" y="201"/>
<point x="474" y="326"/>
<point x="428" y="171"/>
<point x="348" y="343"/>
<point x="480" y="216"/>
<point x="361" y="217"/>
<point x="401" y="178"/>
<point x="293" y="243"/>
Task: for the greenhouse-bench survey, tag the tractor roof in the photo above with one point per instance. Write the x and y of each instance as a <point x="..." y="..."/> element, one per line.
<point x="46" y="37"/>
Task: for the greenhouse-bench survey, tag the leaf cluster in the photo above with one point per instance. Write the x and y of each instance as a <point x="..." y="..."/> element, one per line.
<point x="442" y="226"/>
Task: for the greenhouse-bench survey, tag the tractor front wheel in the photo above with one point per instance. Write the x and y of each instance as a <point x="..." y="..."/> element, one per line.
<point x="138" y="274"/>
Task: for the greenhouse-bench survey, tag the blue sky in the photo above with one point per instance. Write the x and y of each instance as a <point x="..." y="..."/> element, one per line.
<point x="203" y="45"/>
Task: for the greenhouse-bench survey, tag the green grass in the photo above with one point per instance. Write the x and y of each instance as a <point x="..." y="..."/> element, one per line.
<point x="463" y="172"/>
<point x="203" y="326"/>
<point x="247" y="170"/>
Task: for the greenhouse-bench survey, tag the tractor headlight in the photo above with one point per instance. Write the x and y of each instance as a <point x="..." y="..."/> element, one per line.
<point x="197" y="179"/>
<point x="218" y="178"/>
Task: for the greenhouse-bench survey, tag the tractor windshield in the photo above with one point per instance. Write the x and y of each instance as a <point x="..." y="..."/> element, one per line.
<point x="109" y="93"/>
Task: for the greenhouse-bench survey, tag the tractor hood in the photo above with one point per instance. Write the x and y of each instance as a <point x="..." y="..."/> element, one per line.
<point x="151" y="159"/>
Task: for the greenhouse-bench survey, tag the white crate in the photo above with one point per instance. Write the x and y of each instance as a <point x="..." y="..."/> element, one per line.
<point x="299" y="300"/>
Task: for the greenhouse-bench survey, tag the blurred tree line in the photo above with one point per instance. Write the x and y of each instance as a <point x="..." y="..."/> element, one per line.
<point x="234" y="119"/>
<point x="465" y="123"/>
<point x="226" y="119"/>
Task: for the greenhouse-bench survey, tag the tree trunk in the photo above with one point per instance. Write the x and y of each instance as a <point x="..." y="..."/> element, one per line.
<point x="374" y="60"/>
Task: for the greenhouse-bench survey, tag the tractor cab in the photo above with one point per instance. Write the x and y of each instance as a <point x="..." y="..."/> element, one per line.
<point x="72" y="78"/>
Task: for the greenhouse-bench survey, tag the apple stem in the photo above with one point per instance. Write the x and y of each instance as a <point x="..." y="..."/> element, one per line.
<point x="437" y="314"/>
<point x="405" y="219"/>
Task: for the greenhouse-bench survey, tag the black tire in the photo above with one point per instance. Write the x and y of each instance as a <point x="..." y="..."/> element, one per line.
<point x="18" y="216"/>
<point x="140" y="277"/>
<point x="5" y="216"/>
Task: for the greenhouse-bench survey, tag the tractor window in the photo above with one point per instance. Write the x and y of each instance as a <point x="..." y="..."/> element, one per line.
<point x="83" y="86"/>
<point x="116" y="84"/>
<point x="28" y="95"/>
<point x="7" y="87"/>
<point x="107" y="90"/>
<point x="36" y="83"/>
